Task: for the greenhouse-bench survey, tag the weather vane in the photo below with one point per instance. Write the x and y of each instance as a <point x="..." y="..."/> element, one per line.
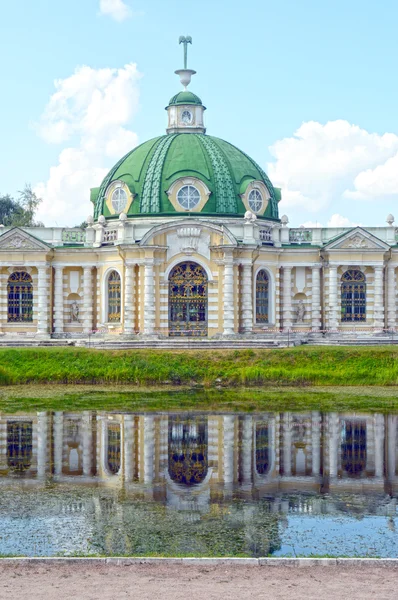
<point x="185" y="40"/>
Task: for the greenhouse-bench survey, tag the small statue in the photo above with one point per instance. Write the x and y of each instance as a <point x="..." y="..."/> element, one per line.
<point x="74" y="309"/>
<point x="250" y="217"/>
<point x="300" y="311"/>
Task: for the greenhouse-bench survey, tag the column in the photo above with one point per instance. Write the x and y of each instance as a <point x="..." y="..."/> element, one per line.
<point x="42" y="428"/>
<point x="228" y="293"/>
<point x="391" y="297"/>
<point x="87" y="443"/>
<point x="378" y="302"/>
<point x="42" y="291"/>
<point x="316" y="442"/>
<point x="379" y="445"/>
<point x="87" y="299"/>
<point x="287" y="297"/>
<point x="58" y="299"/>
<point x="333" y="300"/>
<point x="247" y="298"/>
<point x="3" y="299"/>
<point x="128" y="448"/>
<point x="3" y="444"/>
<point x="229" y="438"/>
<point x="392" y="440"/>
<point x="316" y="298"/>
<point x="287" y="445"/>
<point x="247" y="450"/>
<point x="333" y="444"/>
<point x="149" y="298"/>
<point x="149" y="448"/>
<point x="129" y="298"/>
<point x="58" y="441"/>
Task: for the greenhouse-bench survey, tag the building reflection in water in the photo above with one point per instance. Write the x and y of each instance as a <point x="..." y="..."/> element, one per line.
<point x="256" y="454"/>
<point x="250" y="469"/>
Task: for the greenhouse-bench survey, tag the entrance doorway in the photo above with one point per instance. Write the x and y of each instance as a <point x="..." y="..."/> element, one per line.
<point x="188" y="300"/>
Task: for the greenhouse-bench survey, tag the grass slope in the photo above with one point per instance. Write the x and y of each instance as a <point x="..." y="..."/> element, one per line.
<point x="301" y="366"/>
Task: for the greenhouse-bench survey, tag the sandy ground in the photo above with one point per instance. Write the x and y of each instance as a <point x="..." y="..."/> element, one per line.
<point x="111" y="582"/>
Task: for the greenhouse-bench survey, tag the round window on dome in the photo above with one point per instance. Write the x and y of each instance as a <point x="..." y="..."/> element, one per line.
<point x="188" y="197"/>
<point x="119" y="200"/>
<point x="255" y="201"/>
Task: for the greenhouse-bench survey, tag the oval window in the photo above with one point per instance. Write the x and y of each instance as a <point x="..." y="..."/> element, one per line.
<point x="188" y="197"/>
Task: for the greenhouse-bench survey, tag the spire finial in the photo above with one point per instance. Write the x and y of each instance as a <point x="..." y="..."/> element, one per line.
<point x="185" y="73"/>
<point x="185" y="40"/>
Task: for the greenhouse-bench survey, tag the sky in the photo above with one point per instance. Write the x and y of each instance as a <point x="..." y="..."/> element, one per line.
<point x="308" y="89"/>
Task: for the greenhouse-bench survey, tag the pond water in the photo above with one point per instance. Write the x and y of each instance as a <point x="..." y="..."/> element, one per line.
<point x="280" y="484"/>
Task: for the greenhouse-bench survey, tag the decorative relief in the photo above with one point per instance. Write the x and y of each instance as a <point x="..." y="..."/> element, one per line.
<point x="189" y="237"/>
<point x="358" y="241"/>
<point x="19" y="242"/>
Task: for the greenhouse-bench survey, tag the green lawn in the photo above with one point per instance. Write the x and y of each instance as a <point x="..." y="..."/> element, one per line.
<point x="301" y="366"/>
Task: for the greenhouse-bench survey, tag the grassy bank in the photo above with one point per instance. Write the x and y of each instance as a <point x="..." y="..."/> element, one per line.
<point x="300" y="366"/>
<point x="33" y="398"/>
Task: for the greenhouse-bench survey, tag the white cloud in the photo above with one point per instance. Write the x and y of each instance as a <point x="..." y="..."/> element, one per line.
<point x="116" y="9"/>
<point x="320" y="164"/>
<point x="337" y="220"/>
<point x="91" y="109"/>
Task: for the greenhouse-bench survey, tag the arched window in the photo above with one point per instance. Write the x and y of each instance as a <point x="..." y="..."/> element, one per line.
<point x="20" y="297"/>
<point x="188" y="462"/>
<point x="114" y="458"/>
<point x="262" y="297"/>
<point x="353" y="296"/>
<point x="255" y="201"/>
<point x="114" y="297"/>
<point x="19" y="445"/>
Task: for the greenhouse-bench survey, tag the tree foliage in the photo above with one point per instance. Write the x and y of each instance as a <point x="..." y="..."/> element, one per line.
<point x="20" y="212"/>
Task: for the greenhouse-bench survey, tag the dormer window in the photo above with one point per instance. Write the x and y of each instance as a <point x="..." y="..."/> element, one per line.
<point x="119" y="200"/>
<point x="255" y="201"/>
<point x="188" y="197"/>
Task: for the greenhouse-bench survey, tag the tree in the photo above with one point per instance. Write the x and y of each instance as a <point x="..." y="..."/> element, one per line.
<point x="21" y="212"/>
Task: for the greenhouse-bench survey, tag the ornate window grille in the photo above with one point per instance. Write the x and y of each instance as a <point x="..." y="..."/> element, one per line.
<point x="266" y="235"/>
<point x="188" y="300"/>
<point x="110" y="236"/>
<point x="353" y="447"/>
<point x="19" y="445"/>
<point x="114" y="297"/>
<point x="114" y="458"/>
<point x="353" y="296"/>
<point x="262" y="297"/>
<point x="188" y="445"/>
<point x="20" y="297"/>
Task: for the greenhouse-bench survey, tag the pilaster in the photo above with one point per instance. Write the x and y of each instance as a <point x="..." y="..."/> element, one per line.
<point x="43" y="303"/>
<point x="149" y="297"/>
<point x="391" y="298"/>
<point x="287" y="298"/>
<point x="87" y="299"/>
<point x="316" y="298"/>
<point x="228" y="294"/>
<point x="129" y="299"/>
<point x="247" y="298"/>
<point x="58" y="299"/>
<point x="333" y="320"/>
<point x="378" y="302"/>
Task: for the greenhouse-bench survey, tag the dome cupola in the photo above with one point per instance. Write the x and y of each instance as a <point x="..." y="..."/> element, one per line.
<point x="185" y="110"/>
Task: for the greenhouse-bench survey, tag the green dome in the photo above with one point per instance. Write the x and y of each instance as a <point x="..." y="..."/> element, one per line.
<point x="185" y="98"/>
<point x="150" y="169"/>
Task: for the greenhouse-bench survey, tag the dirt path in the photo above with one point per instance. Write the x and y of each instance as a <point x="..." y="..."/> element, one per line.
<point x="173" y="582"/>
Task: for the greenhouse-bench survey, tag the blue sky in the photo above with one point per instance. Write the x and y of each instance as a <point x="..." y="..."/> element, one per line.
<point x="308" y="89"/>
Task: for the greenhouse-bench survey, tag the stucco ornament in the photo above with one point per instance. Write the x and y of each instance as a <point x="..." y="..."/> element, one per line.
<point x="19" y="242"/>
<point x="74" y="312"/>
<point x="189" y="238"/>
<point x="358" y="241"/>
<point x="250" y="217"/>
<point x="300" y="312"/>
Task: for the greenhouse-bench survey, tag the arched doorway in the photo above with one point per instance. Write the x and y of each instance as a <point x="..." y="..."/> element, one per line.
<point x="188" y="300"/>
